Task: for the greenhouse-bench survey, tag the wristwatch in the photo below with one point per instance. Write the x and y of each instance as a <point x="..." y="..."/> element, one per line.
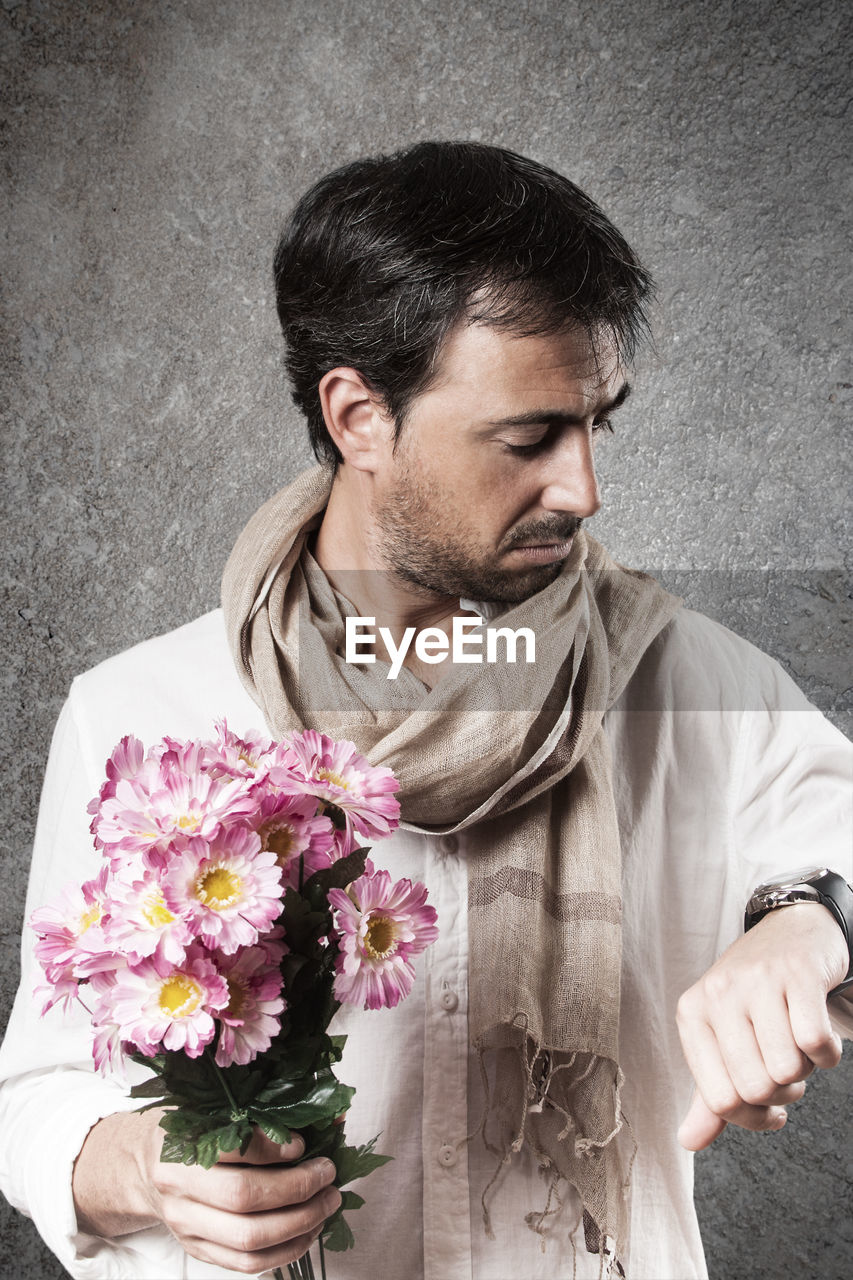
<point x="811" y="884"/>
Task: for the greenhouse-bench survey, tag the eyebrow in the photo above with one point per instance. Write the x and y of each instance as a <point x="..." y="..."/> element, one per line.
<point x="538" y="416"/>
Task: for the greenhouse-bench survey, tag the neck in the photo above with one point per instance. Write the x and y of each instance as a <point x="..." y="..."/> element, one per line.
<point x="348" y="550"/>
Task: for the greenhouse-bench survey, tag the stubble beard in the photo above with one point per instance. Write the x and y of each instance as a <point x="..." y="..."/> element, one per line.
<point x="421" y="551"/>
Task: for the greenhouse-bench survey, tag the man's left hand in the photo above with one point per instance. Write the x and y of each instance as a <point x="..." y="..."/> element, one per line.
<point x="755" y="1026"/>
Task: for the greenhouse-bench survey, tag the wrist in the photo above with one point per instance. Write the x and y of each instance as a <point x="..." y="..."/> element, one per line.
<point x="816" y="888"/>
<point x="111" y="1182"/>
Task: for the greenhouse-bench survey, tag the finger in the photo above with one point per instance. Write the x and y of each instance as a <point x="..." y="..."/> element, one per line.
<point x="250" y="1233"/>
<point x="251" y="1264"/>
<point x="262" y="1150"/>
<point x="742" y="1060"/>
<point x="712" y="1072"/>
<point x="747" y="1067"/>
<point x="811" y="1027"/>
<point x="700" y="1127"/>
<point x="707" y="1067"/>
<point x="784" y="1060"/>
<point x="246" y="1188"/>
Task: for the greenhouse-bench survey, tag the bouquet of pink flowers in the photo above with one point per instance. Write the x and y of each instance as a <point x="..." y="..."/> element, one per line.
<point x="233" y="914"/>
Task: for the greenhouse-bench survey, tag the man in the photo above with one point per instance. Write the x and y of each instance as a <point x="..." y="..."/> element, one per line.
<point x="460" y="324"/>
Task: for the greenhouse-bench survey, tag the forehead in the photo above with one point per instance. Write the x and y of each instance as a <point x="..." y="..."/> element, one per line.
<point x="490" y="372"/>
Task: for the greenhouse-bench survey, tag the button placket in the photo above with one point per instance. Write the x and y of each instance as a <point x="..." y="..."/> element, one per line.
<point x="447" y="1222"/>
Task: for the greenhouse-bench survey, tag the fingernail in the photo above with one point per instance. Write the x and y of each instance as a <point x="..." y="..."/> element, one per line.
<point x="780" y="1118"/>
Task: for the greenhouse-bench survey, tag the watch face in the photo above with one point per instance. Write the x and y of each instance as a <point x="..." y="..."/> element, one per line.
<point x="806" y="875"/>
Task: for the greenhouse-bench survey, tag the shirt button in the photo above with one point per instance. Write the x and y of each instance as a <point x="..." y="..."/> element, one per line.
<point x="449" y="1000"/>
<point x="448" y="844"/>
<point x="447" y="1156"/>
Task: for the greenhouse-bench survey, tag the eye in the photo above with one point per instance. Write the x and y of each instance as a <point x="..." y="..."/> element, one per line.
<point x="604" y="424"/>
<point x="529" y="448"/>
<point x="524" y="450"/>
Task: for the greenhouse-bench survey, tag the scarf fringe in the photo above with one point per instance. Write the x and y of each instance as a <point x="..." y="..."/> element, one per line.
<point x="539" y="1072"/>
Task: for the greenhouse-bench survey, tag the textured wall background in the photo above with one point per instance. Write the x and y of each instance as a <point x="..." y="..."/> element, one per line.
<point x="151" y="149"/>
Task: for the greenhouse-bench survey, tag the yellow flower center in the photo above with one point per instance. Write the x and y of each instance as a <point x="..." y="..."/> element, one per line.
<point x="218" y="888"/>
<point x="154" y="910"/>
<point x="236" y="998"/>
<point x="188" y="822"/>
<point x="180" y="995"/>
<point x="380" y="938"/>
<point x="90" y="917"/>
<point x="247" y="759"/>
<point x="328" y="775"/>
<point x="281" y="841"/>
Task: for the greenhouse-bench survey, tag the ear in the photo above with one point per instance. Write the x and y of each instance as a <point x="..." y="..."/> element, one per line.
<point x="355" y="417"/>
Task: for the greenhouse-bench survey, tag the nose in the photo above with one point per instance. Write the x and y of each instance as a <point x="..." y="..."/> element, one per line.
<point x="569" y="482"/>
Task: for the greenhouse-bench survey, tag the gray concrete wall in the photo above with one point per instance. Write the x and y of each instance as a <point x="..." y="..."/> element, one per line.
<point x="151" y="149"/>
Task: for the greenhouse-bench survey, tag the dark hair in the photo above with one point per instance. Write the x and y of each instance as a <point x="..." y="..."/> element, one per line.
<point x="380" y="259"/>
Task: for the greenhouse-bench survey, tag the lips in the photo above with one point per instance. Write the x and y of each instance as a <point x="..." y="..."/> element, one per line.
<point x="545" y="552"/>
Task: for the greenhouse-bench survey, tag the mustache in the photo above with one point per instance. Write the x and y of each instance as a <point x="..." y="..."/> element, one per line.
<point x="557" y="529"/>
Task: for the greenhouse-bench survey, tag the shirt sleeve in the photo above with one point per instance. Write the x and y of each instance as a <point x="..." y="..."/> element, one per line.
<point x="50" y="1095"/>
<point x="793" y="778"/>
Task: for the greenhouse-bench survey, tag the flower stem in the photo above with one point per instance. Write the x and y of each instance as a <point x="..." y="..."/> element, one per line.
<point x="232" y="1101"/>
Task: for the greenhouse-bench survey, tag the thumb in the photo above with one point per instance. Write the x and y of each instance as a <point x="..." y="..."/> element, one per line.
<point x="700" y="1126"/>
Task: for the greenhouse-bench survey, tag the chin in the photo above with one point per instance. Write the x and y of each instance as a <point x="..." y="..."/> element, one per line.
<point x="514" y="588"/>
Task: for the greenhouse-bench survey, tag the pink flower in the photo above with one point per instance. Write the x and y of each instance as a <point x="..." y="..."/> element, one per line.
<point x="71" y="943"/>
<point x="336" y="773"/>
<point x="126" y="761"/>
<point x="154" y="1003"/>
<point x="164" y="804"/>
<point x="287" y="825"/>
<point x="106" y="1042"/>
<point x="380" y="926"/>
<point x="235" y="756"/>
<point x="228" y="891"/>
<point x="250" y="1020"/>
<point x="140" y="922"/>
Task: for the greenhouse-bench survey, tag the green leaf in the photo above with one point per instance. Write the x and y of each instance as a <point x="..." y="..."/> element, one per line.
<point x="156" y="1087"/>
<point x="323" y="1093"/>
<point x="339" y="875"/>
<point x="303" y="926"/>
<point x="294" y="1065"/>
<point x="177" y="1151"/>
<point x="185" y="1123"/>
<point x="196" y="1139"/>
<point x="271" y="1124"/>
<point x="351" y="1200"/>
<point x="210" y="1146"/>
<point x="321" y="1104"/>
<point x="337" y="1235"/>
<point x="352" y="1163"/>
<point x="336" y="815"/>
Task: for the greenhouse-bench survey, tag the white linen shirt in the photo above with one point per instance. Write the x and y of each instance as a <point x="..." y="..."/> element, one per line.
<point x="724" y="775"/>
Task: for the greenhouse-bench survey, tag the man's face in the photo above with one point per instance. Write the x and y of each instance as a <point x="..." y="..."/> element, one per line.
<point x="493" y="471"/>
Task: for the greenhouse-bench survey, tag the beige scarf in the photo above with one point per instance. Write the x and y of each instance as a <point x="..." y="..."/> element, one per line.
<point x="516" y="756"/>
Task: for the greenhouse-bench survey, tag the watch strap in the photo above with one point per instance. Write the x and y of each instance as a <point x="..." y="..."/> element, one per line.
<point x="837" y="896"/>
<point x="833" y="891"/>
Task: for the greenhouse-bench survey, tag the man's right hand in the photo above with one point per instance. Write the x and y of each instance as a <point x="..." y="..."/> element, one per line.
<point x="248" y="1213"/>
